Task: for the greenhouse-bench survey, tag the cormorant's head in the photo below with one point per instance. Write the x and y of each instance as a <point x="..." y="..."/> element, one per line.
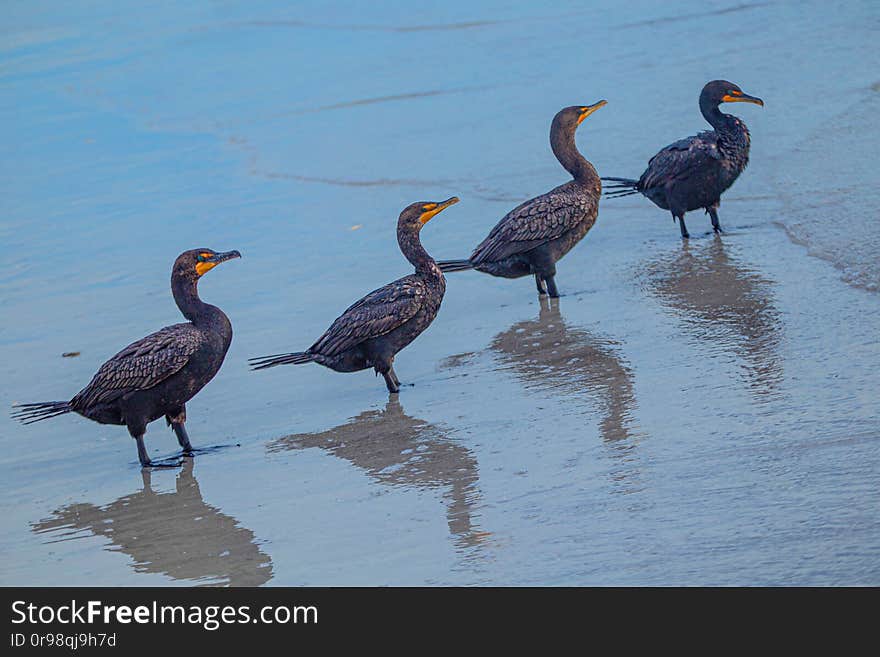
<point x="418" y="214"/>
<point x="722" y="91"/>
<point x="195" y="263"/>
<point x="569" y="118"/>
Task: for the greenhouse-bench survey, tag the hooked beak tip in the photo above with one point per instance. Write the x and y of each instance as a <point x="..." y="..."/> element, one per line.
<point x="228" y="255"/>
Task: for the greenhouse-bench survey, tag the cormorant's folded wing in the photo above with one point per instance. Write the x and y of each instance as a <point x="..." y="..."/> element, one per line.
<point x="141" y="365"/>
<point x="679" y="159"/>
<point x="378" y="313"/>
<point x="535" y="222"/>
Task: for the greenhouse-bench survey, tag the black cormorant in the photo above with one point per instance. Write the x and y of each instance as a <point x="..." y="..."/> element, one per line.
<point x="158" y="374"/>
<point x="692" y="173"/>
<point x="372" y="331"/>
<point x="534" y="236"/>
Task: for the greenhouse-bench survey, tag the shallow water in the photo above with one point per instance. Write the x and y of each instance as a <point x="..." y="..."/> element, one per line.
<point x="685" y="414"/>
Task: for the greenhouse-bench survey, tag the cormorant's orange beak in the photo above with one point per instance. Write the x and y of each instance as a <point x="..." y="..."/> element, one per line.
<point x="207" y="261"/>
<point x="431" y="209"/>
<point x="589" y="109"/>
<point x="740" y="97"/>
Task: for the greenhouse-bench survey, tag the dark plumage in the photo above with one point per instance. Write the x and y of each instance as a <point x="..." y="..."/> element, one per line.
<point x="158" y="374"/>
<point x="372" y="331"/>
<point x="534" y="236"/>
<point x="692" y="173"/>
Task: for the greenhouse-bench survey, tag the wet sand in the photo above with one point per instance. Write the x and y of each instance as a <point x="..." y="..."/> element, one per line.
<point x="700" y="413"/>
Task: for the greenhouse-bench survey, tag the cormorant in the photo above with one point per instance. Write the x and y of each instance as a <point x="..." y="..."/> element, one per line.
<point x="373" y="330"/>
<point x="692" y="173"/>
<point x="534" y="236"/>
<point x="158" y="374"/>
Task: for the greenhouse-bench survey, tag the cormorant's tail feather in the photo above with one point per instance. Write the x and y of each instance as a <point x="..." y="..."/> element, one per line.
<point x="30" y="413"/>
<point x="295" y="358"/>
<point x="618" y="194"/>
<point x="454" y="265"/>
<point x="620" y="187"/>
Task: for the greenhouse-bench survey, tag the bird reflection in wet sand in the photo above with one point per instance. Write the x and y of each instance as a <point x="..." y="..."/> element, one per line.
<point x="548" y="353"/>
<point x="725" y="303"/>
<point x="396" y="449"/>
<point x="175" y="534"/>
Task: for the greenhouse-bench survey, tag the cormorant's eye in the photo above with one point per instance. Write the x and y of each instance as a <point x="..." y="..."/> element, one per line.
<point x="203" y="257"/>
<point x="734" y="93"/>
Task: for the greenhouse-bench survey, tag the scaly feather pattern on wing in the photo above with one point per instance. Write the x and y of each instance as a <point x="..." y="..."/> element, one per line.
<point x="535" y="222"/>
<point x="677" y="160"/>
<point x="141" y="365"/>
<point x="378" y="313"/>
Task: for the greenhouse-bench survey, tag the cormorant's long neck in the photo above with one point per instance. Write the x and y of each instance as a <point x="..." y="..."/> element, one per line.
<point x="565" y="150"/>
<point x="716" y="118"/>
<point x="186" y="296"/>
<point x="412" y="249"/>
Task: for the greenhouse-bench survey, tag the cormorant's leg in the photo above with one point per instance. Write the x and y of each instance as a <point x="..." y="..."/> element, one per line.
<point x="541" y="261"/>
<point x="684" y="230"/>
<point x="393" y="376"/>
<point x="176" y="421"/>
<point x="182" y="437"/>
<point x="391" y="382"/>
<point x="540" y="284"/>
<point x="713" y="212"/>
<point x="142" y="453"/>
<point x="145" y="460"/>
